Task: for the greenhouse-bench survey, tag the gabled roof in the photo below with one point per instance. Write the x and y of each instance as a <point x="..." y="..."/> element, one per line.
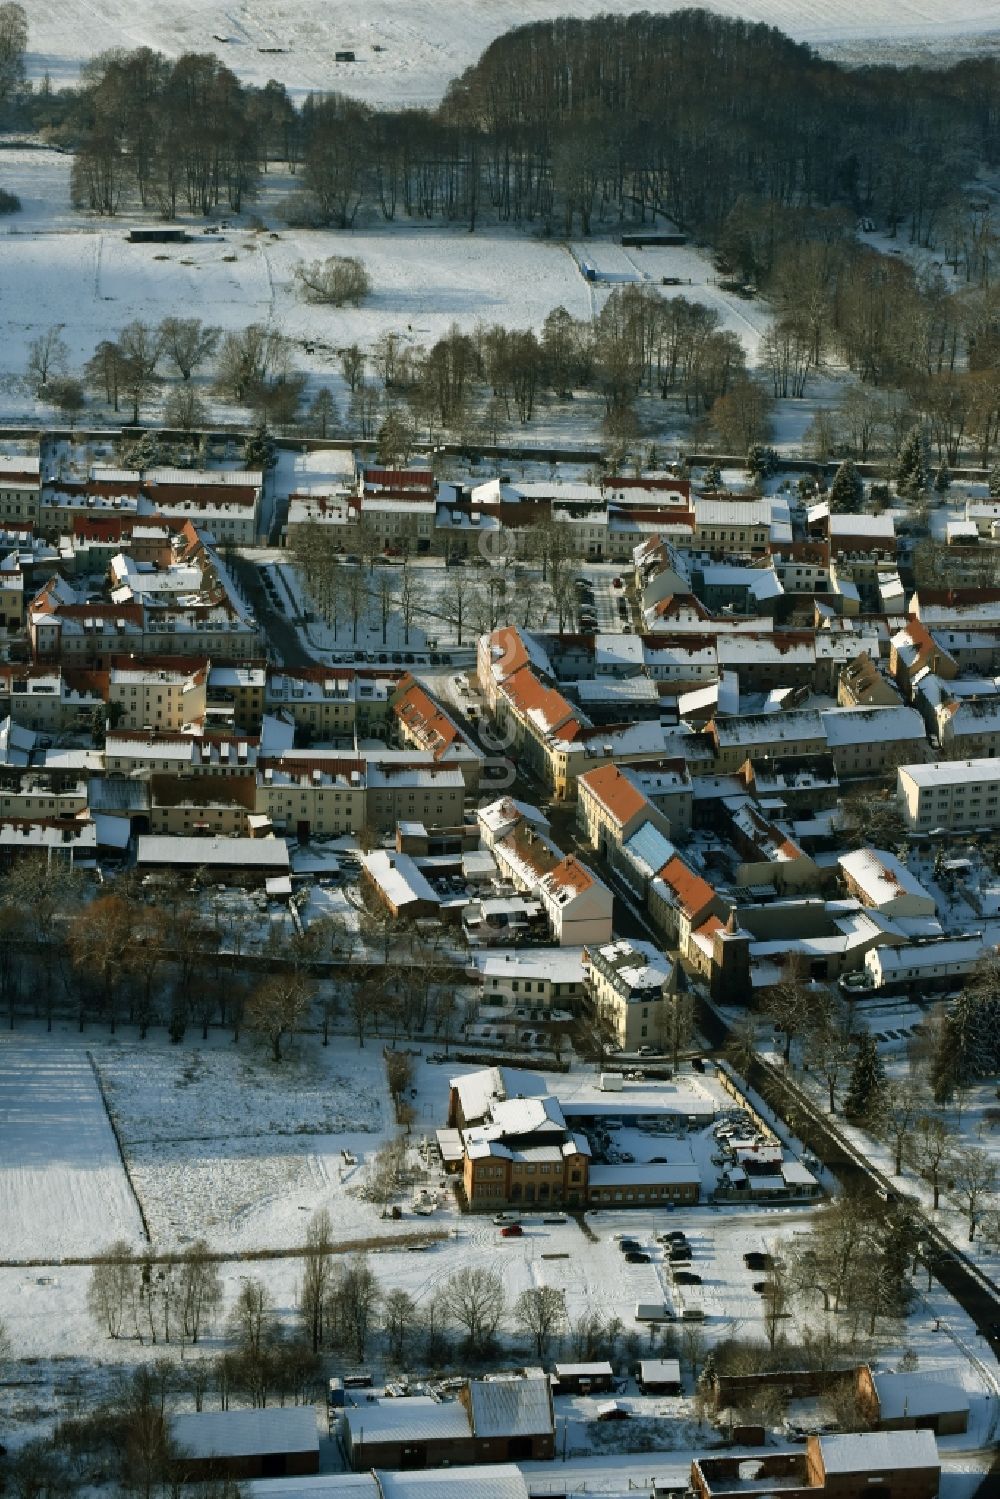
<point x="686" y="890"/>
<point x="511" y="1407"/>
<point x="617" y="794"/>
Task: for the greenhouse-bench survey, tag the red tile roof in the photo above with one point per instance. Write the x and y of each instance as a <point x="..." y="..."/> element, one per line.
<point x="615" y="792"/>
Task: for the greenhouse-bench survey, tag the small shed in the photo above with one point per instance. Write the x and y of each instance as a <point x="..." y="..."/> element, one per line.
<point x="889" y="1464"/>
<point x="660" y="1376"/>
<point x="584" y="1379"/>
<point x="158" y="234"/>
<point x="912" y="1402"/>
<point x="270" y="1443"/>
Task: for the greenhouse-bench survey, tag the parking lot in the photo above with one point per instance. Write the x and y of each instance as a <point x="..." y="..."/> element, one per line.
<point x="598" y="601"/>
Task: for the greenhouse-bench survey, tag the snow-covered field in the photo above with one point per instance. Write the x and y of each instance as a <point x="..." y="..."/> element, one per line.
<point x="408" y="50"/>
<point x="62" y="268"/>
<point x="62" y="1187"/>
<point x="224" y="1146"/>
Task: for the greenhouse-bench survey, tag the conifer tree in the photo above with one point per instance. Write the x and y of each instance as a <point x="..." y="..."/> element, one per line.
<point x="913" y="465"/>
<point x="867" y="1077"/>
<point x="847" y="490"/>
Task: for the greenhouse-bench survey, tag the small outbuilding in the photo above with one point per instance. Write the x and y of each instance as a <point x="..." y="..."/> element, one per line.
<point x="270" y="1443"/>
<point x="881" y="1464"/>
<point x="912" y="1402"/>
<point x="660" y="1376"/>
<point x="232" y="861"/>
<point x="158" y="234"/>
<point x="412" y="1431"/>
<point x="584" y="1379"/>
<point x="512" y="1419"/>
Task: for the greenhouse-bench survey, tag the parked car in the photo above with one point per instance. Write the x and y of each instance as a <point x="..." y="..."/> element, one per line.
<point x="687" y="1278"/>
<point x="629" y="1246"/>
<point x="647" y="1051"/>
<point x="511" y="1231"/>
<point x="637" y="1257"/>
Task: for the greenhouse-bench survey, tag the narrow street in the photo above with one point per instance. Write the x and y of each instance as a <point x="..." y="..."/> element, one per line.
<point x="282" y="635"/>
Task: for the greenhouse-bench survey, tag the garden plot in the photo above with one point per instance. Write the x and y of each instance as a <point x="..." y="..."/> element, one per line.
<point x="62" y="1187"/>
<point x="223" y="1146"/>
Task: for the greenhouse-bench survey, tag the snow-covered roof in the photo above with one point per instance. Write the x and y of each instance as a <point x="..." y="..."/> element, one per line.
<point x="511" y="1407"/>
<point x="485" y="1481"/>
<point x="880" y="876"/>
<point x="318" y="1486"/>
<point x="618" y="650"/>
<point x="877" y="1451"/>
<point x="626" y="690"/>
<point x="669" y="1175"/>
<point x="765" y="728"/>
<point x="247" y="1433"/>
<point x="732" y="512"/>
<point x="406" y="1418"/>
<point x="638" y="964"/>
<point x="902" y="1395"/>
<point x="269" y="853"/>
<point x="562" y="965"/>
<point x="794" y="1174"/>
<point x="399" y="878"/>
<point x="871" y="725"/>
<point x="649" y="849"/>
<point x="892" y="960"/>
<point x="659" y="1371"/>
<point x="851" y="523"/>
<point x="953" y="772"/>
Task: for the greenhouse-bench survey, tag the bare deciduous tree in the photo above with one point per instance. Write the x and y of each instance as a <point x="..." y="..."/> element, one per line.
<point x="477" y="1302"/>
<point x="317" y="1275"/>
<point x="929" y="1148"/>
<point x="187" y="342"/>
<point x="111" y="1286"/>
<point x="973" y="1175"/>
<point x="278" y="1006"/>
<point x="199" y="1289"/>
<point x="338" y="281"/>
<point x="48" y="357"/>
<point x="541" y="1311"/>
<point x="399" y="1315"/>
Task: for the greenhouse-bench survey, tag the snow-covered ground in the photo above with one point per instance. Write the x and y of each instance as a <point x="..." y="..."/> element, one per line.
<point x="223" y="1144"/>
<point x="62" y="1187"/>
<point x="408" y="50"/>
<point x="78" y="273"/>
<point x="691" y="268"/>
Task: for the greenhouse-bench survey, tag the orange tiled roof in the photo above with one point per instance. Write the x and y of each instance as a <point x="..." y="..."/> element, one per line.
<point x="616" y="793"/>
<point x="692" y="892"/>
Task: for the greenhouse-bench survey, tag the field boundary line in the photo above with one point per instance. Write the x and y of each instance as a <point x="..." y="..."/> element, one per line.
<point x="121" y="1148"/>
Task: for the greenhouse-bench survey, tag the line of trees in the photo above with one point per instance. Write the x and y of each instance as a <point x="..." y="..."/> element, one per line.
<point x="558" y="124"/>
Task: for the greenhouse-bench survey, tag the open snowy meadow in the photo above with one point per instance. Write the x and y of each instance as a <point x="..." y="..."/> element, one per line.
<point x="78" y="273"/>
<point x="62" y="1187"/>
<point x="407" y="51"/>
